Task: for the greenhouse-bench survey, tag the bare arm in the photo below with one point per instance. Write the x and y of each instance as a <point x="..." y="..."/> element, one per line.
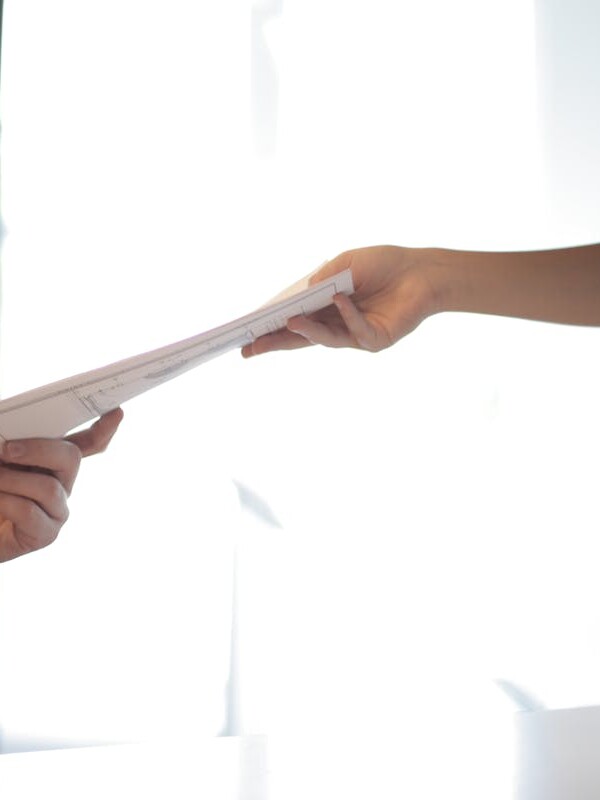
<point x="396" y="288"/>
<point x="552" y="285"/>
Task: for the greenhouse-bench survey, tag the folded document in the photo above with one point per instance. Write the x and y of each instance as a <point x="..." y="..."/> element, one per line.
<point x="55" y="409"/>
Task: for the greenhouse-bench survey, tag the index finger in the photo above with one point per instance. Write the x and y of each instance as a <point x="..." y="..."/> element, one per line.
<point x="56" y="457"/>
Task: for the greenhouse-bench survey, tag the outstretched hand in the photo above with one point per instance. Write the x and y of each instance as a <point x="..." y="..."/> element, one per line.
<point x="392" y="296"/>
<point x="36" y="479"/>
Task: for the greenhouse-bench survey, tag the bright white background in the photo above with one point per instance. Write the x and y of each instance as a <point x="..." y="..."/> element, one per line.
<point x="169" y="167"/>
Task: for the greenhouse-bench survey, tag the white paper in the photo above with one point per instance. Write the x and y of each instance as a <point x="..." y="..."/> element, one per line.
<point x="55" y="409"/>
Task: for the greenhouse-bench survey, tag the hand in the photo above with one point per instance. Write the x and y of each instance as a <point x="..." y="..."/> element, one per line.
<point x="393" y="294"/>
<point x="36" y="479"/>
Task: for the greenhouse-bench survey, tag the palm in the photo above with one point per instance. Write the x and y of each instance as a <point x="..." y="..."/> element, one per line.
<point x="392" y="299"/>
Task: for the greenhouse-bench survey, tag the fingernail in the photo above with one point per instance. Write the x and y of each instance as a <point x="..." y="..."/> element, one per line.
<point x="14" y="449"/>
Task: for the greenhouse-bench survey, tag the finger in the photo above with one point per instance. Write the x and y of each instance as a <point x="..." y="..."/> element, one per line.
<point x="31" y="528"/>
<point x="57" y="456"/>
<point x="44" y="490"/>
<point x="280" y="340"/>
<point x="316" y="332"/>
<point x="363" y="333"/>
<point x="97" y="438"/>
<point x="9" y="547"/>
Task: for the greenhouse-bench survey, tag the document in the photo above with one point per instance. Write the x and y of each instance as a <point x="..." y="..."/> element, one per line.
<point x="56" y="408"/>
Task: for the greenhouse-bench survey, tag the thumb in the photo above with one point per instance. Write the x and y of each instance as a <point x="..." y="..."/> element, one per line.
<point x="329" y="268"/>
<point x="97" y="438"/>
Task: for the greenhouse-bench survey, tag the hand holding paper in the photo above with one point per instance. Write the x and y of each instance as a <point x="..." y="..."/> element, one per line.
<point x="392" y="295"/>
<point x="36" y="479"/>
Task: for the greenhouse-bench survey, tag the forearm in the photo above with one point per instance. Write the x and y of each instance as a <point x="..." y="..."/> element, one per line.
<point x="553" y="285"/>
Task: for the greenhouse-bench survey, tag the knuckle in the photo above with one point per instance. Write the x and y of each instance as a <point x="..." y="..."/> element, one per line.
<point x="56" y="499"/>
<point x="41" y="530"/>
<point x="51" y="535"/>
<point x="55" y="492"/>
<point x="30" y="515"/>
<point x="66" y="513"/>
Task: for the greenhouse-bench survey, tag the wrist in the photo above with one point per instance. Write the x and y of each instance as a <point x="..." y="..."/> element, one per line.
<point x="446" y="276"/>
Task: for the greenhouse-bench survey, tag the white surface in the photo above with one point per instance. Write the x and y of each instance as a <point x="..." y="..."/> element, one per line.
<point x="219" y="769"/>
<point x="57" y="408"/>
<point x="557" y="760"/>
<point x="558" y="754"/>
